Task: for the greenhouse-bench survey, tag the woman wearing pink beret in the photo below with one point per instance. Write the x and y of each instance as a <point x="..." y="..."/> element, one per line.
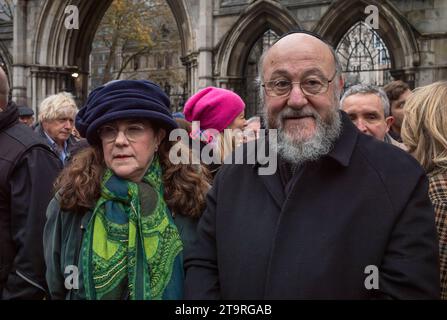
<point x="218" y="109"/>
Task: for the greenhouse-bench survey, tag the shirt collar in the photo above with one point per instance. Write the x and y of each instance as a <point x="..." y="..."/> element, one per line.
<point x="55" y="146"/>
<point x="52" y="143"/>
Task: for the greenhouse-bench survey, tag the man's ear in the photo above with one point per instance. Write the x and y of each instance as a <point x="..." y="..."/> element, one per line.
<point x="389" y="122"/>
<point x="340" y="83"/>
<point x="43" y="124"/>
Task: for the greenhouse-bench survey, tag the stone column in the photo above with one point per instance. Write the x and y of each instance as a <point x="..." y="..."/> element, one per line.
<point x="205" y="44"/>
<point x="190" y="62"/>
<point x="20" y="66"/>
<point x="434" y="60"/>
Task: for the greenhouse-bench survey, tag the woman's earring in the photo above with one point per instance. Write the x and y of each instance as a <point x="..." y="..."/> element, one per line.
<point x="156" y="148"/>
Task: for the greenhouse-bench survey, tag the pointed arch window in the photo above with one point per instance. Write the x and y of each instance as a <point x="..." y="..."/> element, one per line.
<point x="364" y="56"/>
<point x="265" y="41"/>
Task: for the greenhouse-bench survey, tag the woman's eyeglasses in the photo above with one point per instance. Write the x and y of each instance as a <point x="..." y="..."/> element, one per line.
<point x="133" y="132"/>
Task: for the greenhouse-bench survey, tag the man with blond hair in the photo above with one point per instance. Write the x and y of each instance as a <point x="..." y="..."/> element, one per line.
<point x="56" y="118"/>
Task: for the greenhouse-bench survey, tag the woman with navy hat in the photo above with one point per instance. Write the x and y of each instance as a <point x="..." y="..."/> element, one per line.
<point x="123" y="213"/>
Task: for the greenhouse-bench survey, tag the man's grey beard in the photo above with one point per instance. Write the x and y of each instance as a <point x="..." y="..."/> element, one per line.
<point x="320" y="144"/>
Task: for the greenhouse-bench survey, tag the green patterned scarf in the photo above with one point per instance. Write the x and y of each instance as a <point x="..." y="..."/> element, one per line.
<point x="132" y="248"/>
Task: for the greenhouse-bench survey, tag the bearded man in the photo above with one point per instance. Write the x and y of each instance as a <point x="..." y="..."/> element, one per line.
<point x="337" y="220"/>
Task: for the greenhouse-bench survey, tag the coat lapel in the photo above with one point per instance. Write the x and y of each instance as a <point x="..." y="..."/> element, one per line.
<point x="272" y="182"/>
<point x="275" y="188"/>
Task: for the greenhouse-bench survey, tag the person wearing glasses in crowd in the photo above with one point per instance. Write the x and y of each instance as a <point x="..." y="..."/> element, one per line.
<point x="123" y="213"/>
<point x="330" y="222"/>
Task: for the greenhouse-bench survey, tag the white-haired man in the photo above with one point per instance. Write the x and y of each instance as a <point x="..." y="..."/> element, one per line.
<point x="56" y="122"/>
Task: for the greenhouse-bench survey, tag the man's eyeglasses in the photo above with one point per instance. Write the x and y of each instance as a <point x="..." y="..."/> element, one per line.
<point x="133" y="132"/>
<point x="311" y="85"/>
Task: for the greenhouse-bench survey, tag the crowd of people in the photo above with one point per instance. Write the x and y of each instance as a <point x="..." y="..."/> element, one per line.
<point x="92" y="207"/>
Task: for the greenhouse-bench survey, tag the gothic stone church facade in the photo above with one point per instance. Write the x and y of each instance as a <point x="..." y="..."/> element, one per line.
<point x="221" y="41"/>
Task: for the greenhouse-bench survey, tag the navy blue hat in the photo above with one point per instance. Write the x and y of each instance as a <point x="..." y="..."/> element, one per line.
<point x="122" y="99"/>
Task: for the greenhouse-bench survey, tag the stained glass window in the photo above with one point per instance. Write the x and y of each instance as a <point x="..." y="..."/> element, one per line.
<point x="364" y="56"/>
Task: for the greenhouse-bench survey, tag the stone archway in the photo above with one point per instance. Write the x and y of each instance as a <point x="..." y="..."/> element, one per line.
<point x="45" y="65"/>
<point x="58" y="52"/>
<point x="394" y="29"/>
<point x="233" y="52"/>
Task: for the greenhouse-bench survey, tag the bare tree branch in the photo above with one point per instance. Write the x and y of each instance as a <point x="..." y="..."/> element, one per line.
<point x="131" y="28"/>
<point x="129" y="58"/>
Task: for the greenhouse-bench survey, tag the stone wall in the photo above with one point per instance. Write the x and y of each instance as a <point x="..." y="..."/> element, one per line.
<point x="217" y="36"/>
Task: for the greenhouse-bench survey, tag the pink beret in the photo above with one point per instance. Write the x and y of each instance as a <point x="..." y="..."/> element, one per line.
<point x="215" y="108"/>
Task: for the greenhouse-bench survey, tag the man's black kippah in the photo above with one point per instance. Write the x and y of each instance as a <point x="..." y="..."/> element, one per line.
<point x="298" y="30"/>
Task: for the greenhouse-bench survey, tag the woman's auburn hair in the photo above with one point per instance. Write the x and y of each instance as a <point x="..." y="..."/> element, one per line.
<point x="424" y="128"/>
<point x="185" y="185"/>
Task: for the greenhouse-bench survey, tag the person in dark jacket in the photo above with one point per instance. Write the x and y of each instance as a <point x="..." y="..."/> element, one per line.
<point x="56" y="120"/>
<point x="337" y="220"/>
<point x="123" y="214"/>
<point x="28" y="169"/>
<point x="26" y="115"/>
